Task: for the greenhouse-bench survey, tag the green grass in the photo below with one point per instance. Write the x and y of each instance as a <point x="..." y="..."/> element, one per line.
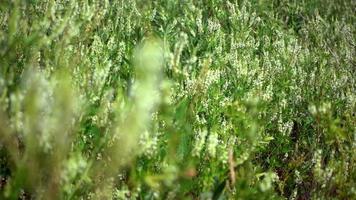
<point x="167" y="99"/>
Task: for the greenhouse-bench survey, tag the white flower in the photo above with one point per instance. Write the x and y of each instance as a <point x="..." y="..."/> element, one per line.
<point x="213" y="142"/>
<point x="199" y="142"/>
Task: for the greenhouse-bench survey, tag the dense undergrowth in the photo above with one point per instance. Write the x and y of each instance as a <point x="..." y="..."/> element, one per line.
<point x="177" y="99"/>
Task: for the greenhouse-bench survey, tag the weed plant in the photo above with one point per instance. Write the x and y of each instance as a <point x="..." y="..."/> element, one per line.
<point x="177" y="99"/>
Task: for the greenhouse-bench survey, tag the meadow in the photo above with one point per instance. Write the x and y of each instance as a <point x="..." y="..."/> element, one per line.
<point x="177" y="99"/>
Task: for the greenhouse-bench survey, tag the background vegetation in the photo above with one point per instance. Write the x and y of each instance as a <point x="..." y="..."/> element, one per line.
<point x="177" y="99"/>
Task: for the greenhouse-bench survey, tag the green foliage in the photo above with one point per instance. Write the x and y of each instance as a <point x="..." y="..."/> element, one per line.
<point x="184" y="99"/>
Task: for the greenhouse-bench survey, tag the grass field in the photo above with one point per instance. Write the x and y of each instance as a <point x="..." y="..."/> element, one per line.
<point x="177" y="99"/>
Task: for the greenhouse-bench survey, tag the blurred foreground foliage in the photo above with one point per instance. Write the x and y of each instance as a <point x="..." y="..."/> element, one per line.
<point x="206" y="99"/>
